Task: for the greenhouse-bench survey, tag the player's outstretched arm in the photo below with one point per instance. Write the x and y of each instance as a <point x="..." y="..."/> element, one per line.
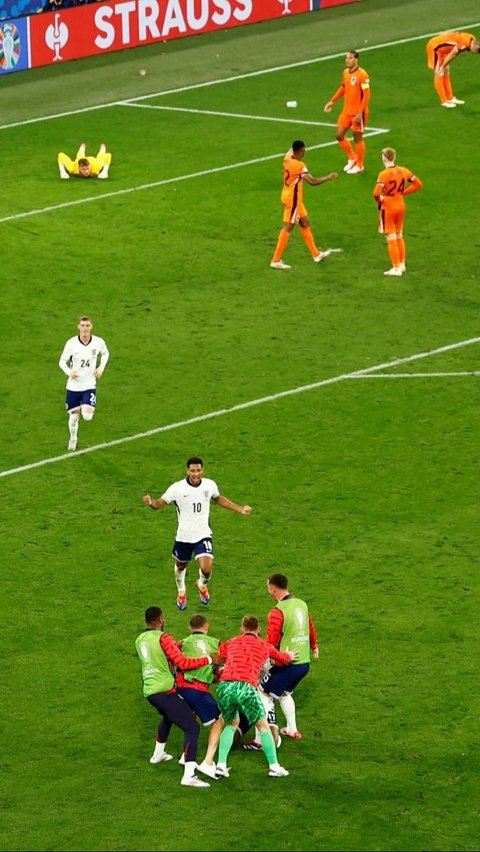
<point x="234" y="507"/>
<point x="318" y="181"/>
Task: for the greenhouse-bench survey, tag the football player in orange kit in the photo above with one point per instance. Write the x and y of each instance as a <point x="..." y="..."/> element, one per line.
<point x="393" y="183"/>
<point x="294" y="173"/>
<point x="441" y="50"/>
<point x="355" y="89"/>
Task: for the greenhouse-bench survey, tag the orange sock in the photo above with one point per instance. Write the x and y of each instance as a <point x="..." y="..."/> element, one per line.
<point x="360" y="152"/>
<point x="401" y="249"/>
<point x="283" y="239"/>
<point x="440" y="87"/>
<point x="308" y="237"/>
<point x="447" y="85"/>
<point x="392" y="246"/>
<point x="345" y="146"/>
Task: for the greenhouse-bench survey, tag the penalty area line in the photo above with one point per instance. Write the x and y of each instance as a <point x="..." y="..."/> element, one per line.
<point x="243" y="406"/>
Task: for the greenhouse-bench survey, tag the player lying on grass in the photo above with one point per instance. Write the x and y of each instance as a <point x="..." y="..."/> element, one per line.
<point x="83" y="166"/>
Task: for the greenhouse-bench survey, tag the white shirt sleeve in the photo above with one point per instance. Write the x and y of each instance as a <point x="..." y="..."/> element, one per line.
<point x="170" y="494"/>
<point x="64" y="359"/>
<point x="104" y="354"/>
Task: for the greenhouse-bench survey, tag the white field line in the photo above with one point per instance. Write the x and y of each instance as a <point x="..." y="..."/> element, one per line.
<point x="244" y="115"/>
<point x="234" y="78"/>
<point x="244" y="405"/>
<point x="91" y="198"/>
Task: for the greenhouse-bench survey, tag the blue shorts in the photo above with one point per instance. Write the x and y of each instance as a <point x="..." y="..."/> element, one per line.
<point x="202" y="703"/>
<point x="75" y="399"/>
<point x="282" y="679"/>
<point x="184" y="550"/>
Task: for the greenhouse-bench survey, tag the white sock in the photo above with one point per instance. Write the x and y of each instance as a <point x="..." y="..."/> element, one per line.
<point x="269" y="705"/>
<point x="288" y="708"/>
<point x="159" y="749"/>
<point x="180" y="580"/>
<point x="203" y="581"/>
<point x="189" y="770"/>
<point x="73" y="419"/>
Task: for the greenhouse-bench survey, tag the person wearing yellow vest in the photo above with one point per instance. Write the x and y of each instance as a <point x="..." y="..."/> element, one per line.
<point x="158" y="651"/>
<point x="289" y="627"/>
<point x="194" y="687"/>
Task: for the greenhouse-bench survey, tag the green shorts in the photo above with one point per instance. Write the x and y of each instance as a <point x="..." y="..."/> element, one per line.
<point x="234" y="696"/>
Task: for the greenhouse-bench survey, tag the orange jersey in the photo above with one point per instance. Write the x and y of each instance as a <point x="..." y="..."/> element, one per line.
<point x="356" y="90"/>
<point x="293" y="171"/>
<point x="392" y="184"/>
<point x="441" y="45"/>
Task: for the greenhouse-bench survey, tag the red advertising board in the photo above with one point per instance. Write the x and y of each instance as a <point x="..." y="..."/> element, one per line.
<point x="103" y="27"/>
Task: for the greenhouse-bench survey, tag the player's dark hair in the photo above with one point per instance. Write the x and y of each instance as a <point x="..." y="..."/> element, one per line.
<point x="297" y="145"/>
<point x="198" y="621"/>
<point x="354" y="53"/>
<point x="153" y="613"/>
<point x="84" y="319"/>
<point x="250" y="623"/>
<point x="195" y="460"/>
<point x="278" y="580"/>
<point x="83" y="162"/>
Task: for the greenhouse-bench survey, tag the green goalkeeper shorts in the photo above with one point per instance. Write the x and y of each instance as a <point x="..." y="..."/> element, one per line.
<point x="234" y="696"/>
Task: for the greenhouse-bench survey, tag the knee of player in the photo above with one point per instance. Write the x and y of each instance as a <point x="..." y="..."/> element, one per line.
<point x="87" y="412"/>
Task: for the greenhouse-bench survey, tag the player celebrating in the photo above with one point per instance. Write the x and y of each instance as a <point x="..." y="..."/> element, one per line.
<point x="158" y="653"/>
<point x="237" y="691"/>
<point x="194" y="687"/>
<point x="85" y="167"/>
<point x="355" y="89"/>
<point x="79" y="362"/>
<point x="191" y="497"/>
<point x="392" y="184"/>
<point x="441" y="51"/>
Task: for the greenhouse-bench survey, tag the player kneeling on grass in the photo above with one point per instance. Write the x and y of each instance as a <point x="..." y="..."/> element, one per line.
<point x="237" y="691"/>
<point x="83" y="166"/>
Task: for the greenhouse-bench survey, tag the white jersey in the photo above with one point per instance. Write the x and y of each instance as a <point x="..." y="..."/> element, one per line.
<point x="83" y="357"/>
<point x="193" y="508"/>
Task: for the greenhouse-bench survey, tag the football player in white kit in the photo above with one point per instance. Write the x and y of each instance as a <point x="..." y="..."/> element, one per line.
<point x="191" y="498"/>
<point x="83" y="361"/>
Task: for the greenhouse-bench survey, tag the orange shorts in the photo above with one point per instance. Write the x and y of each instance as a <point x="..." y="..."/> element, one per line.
<point x="293" y="213"/>
<point x="345" y="119"/>
<point x="436" y="55"/>
<point x="391" y="221"/>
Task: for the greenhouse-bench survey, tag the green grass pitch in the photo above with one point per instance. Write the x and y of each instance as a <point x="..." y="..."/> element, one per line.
<point x="364" y="488"/>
